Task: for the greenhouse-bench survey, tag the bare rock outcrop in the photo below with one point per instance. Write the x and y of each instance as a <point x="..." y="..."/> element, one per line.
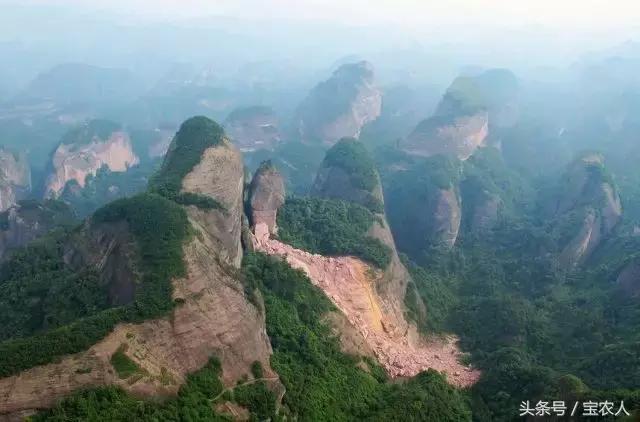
<point x="457" y="136"/>
<point x="589" y="194"/>
<point x="86" y="149"/>
<point x="213" y="316"/>
<point x="472" y="108"/>
<point x="266" y="196"/>
<point x="446" y="218"/>
<point x="253" y="128"/>
<point x="15" y="178"/>
<point x="340" y="106"/>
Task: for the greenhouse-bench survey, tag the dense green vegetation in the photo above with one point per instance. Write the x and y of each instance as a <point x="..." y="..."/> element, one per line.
<point x="124" y="366"/>
<point x="192" y="139"/>
<point x="331" y="227"/>
<point x="67" y="311"/>
<point x="324" y="384"/>
<point x="84" y="134"/>
<point x="528" y="325"/>
<point x="351" y="156"/>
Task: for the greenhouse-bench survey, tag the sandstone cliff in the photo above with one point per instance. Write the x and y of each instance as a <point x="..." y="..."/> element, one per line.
<point x="628" y="279"/>
<point x="15" y="178"/>
<point x="212" y="314"/>
<point x="253" y="128"/>
<point x="472" y="108"/>
<point x="588" y="208"/>
<point x="266" y="196"/>
<point x="340" y="106"/>
<point x="446" y="218"/>
<point x="84" y="150"/>
<point x="29" y="220"/>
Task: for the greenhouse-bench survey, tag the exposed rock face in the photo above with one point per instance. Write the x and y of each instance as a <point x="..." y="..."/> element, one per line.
<point x="219" y="175"/>
<point x="470" y="110"/>
<point x="458" y="136"/>
<point x="588" y="192"/>
<point x="15" y="178"/>
<point x="348" y="173"/>
<point x="29" y="220"/>
<point x="266" y="196"/>
<point x="446" y="217"/>
<point x="85" y="150"/>
<point x="253" y="128"/>
<point x="212" y="317"/>
<point x="340" y="106"/>
<point x="352" y="287"/>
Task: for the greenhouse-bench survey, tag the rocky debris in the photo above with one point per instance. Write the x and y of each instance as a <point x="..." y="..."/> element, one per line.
<point x="587" y="190"/>
<point x="78" y="160"/>
<point x="340" y="106"/>
<point x="15" y="178"/>
<point x="266" y="196"/>
<point x="29" y="220"/>
<point x="253" y="128"/>
<point x="351" y="286"/>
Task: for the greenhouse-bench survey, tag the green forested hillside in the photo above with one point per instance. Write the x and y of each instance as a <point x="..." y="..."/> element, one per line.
<point x="49" y="309"/>
<point x="331" y="227"/>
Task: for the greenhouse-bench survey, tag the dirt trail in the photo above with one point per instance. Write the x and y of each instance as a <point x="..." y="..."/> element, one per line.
<point x="349" y="283"/>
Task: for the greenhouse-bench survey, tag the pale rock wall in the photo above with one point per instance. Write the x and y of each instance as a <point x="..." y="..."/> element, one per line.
<point x="459" y="137"/>
<point x="15" y="178"/>
<point x="76" y="162"/>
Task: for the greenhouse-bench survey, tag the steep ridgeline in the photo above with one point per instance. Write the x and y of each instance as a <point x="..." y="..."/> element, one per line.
<point x="15" y="178"/>
<point x="29" y="220"/>
<point x="340" y="106"/>
<point x="85" y="150"/>
<point x="253" y="128"/>
<point x="144" y="293"/>
<point x="370" y="294"/>
<point x="470" y="110"/>
<point x="586" y="210"/>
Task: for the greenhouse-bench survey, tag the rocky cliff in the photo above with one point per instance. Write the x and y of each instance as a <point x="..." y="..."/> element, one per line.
<point x="253" y="128"/>
<point x="628" y="279"/>
<point x="371" y="318"/>
<point x="212" y="316"/>
<point x="340" y="106"/>
<point x="472" y="108"/>
<point x="86" y="149"/>
<point x="15" y="178"/>
<point x="29" y="220"/>
<point x="266" y="196"/>
<point x="587" y="208"/>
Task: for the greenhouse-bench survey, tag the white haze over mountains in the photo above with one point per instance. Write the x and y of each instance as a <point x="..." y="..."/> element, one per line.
<point x="415" y="41"/>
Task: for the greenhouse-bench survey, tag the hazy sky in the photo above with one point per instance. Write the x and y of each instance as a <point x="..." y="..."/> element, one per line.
<point x="566" y="14"/>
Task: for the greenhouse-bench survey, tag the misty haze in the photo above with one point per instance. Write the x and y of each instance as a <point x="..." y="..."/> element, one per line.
<point x="319" y="210"/>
